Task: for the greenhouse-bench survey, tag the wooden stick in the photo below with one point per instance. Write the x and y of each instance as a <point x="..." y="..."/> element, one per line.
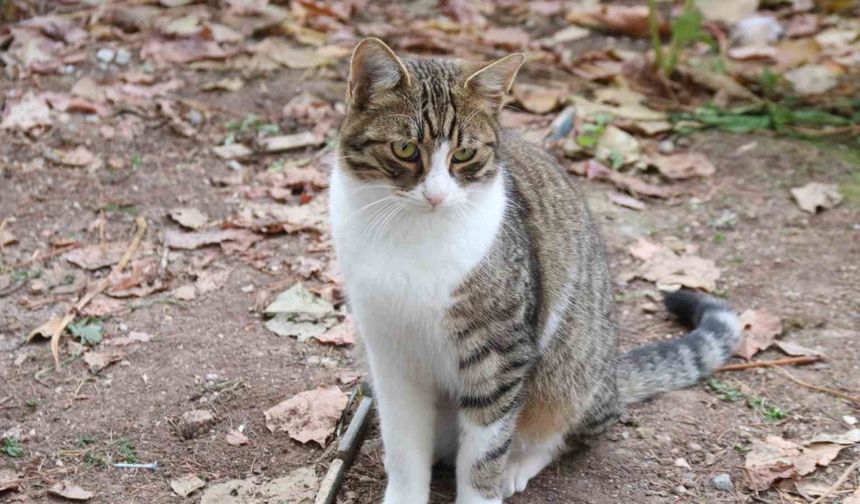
<point x="838" y="483"/>
<point x="786" y="361"/>
<point x="99" y="287"/>
<point x="818" y="388"/>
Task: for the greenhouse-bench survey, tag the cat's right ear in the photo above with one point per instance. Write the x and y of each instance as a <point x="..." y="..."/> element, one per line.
<point x="374" y="67"/>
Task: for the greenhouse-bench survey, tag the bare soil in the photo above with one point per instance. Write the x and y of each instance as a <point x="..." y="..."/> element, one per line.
<point x="804" y="268"/>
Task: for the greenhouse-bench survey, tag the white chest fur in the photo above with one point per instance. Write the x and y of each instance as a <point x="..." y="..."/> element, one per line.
<point x="399" y="278"/>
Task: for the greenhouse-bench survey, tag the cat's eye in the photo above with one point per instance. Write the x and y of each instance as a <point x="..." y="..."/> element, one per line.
<point x="407" y="151"/>
<point x="464" y="154"/>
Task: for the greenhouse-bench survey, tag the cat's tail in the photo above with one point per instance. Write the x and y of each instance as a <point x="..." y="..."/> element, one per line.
<point x="669" y="365"/>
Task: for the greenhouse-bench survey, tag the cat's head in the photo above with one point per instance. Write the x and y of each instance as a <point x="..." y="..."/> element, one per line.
<point x="424" y="130"/>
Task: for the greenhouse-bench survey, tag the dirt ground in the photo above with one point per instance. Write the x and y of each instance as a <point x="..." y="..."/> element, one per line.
<point x="214" y="353"/>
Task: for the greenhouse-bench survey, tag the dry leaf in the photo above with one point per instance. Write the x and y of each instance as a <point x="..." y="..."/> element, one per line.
<point x="770" y="460"/>
<point x="69" y="491"/>
<point x="225" y="84"/>
<point x="308" y="416"/>
<point x="616" y="142"/>
<point x="133" y="337"/>
<point x="645" y="249"/>
<point x="682" y="165"/>
<point x="93" y="257"/>
<point x="278" y="51"/>
<point x="815" y="196"/>
<point x="102" y="306"/>
<point x="185" y="293"/>
<point x="186" y="485"/>
<point x="537" y="99"/>
<point x="191" y="218"/>
<point x="187" y="241"/>
<point x="77" y="157"/>
<point x="9" y="480"/>
<point x="341" y="334"/>
<point x="760" y="329"/>
<point x="31" y="111"/>
<point x="289" y="142"/>
<point x="208" y="281"/>
<point x="50" y="327"/>
<point x="508" y="37"/>
<point x="796" y="349"/>
<point x="727" y="11"/>
<point x="853" y="498"/>
<point x="596" y="171"/>
<point x="298" y="487"/>
<point x="628" y="19"/>
<point x="98" y="360"/>
<point x="812" y="79"/>
<point x="236" y="438"/>
<point x="232" y="151"/>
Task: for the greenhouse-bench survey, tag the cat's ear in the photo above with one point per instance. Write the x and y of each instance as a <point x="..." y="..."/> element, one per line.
<point x="493" y="81"/>
<point x="374" y="67"/>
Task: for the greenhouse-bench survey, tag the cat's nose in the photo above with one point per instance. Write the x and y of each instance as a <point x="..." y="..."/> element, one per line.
<point x="435" y="199"/>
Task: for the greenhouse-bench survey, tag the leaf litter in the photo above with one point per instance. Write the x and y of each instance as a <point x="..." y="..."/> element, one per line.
<point x="308" y="416"/>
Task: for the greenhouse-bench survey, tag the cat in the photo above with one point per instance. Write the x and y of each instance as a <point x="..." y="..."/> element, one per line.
<point x="479" y="283"/>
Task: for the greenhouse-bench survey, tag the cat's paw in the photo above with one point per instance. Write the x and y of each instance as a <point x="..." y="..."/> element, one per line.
<point x="522" y="468"/>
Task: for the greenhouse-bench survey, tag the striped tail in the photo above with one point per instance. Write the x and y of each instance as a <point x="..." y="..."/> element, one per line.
<point x="670" y="365"/>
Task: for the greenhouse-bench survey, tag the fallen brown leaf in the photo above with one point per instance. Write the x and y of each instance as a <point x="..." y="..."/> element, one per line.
<point x="682" y="165"/>
<point x="77" y="157"/>
<point x="760" y="329"/>
<point x="236" y="438"/>
<point x="815" y="196"/>
<point x="31" y="111"/>
<point x="596" y="171"/>
<point x="308" y="416"/>
<point x="100" y="359"/>
<point x="67" y="490"/>
<point x="188" y="241"/>
<point x="191" y="218"/>
<point x="537" y="99"/>
<point x="186" y="484"/>
<point x="341" y="334"/>
<point x="509" y="37"/>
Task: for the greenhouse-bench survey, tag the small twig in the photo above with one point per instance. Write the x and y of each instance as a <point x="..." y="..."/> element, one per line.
<point x="786" y="361"/>
<point x="99" y="287"/>
<point x="838" y="483"/>
<point x="818" y="388"/>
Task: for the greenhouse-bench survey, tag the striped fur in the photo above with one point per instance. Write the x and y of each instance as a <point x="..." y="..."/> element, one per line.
<point x="488" y="319"/>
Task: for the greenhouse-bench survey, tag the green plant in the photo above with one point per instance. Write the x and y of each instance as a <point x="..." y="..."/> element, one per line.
<point x="127" y="452"/>
<point x="12" y="448"/>
<point x="723" y="390"/>
<point x="686" y="29"/>
<point x="89" y="330"/>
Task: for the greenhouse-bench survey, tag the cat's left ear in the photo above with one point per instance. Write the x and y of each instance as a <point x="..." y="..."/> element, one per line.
<point x="493" y="81"/>
<point x="374" y="68"/>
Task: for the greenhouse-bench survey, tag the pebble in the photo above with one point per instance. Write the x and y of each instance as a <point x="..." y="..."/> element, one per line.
<point x="850" y="420"/>
<point x="666" y="147"/>
<point x="123" y="56"/>
<point x="195" y="422"/>
<point x="195" y="118"/>
<point x="105" y="54"/>
<point x="695" y="446"/>
<point x="682" y="463"/>
<point x="723" y="482"/>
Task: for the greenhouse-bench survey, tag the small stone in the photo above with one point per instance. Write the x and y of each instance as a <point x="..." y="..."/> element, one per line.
<point x="645" y="433"/>
<point x="123" y="56"/>
<point x="105" y="54"/>
<point x="850" y="420"/>
<point x="710" y="459"/>
<point x="722" y="482"/>
<point x="695" y="446"/>
<point x="682" y="463"/>
<point x="195" y="422"/>
<point x="649" y="307"/>
<point x="186" y="485"/>
<point x="37" y="287"/>
<point x="666" y="147"/>
<point x="195" y="118"/>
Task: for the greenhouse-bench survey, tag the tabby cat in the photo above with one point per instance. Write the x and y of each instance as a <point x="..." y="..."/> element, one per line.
<point x="479" y="283"/>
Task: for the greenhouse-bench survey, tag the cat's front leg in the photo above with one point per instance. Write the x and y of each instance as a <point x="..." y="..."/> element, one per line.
<point x="487" y="430"/>
<point x="407" y="414"/>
